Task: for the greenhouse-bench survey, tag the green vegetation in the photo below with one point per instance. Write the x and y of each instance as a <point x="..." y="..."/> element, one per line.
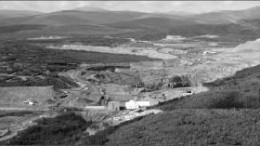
<point x="192" y="127"/>
<point x="227" y="32"/>
<point x="64" y="129"/>
<point x="17" y="28"/>
<point x="41" y="65"/>
<point x="14" y="113"/>
<point x="86" y="40"/>
<point x="144" y="34"/>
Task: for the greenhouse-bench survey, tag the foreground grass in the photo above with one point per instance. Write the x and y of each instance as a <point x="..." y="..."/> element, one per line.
<point x="192" y="127"/>
<point x="64" y="129"/>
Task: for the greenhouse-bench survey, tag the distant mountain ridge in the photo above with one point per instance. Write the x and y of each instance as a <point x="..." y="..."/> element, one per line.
<point x="233" y="24"/>
<point x="100" y="16"/>
<point x="4" y="14"/>
<point x="91" y="9"/>
<point x="75" y="17"/>
<point x="227" y="16"/>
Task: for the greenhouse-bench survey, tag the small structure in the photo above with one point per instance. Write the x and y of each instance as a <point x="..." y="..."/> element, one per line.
<point x="116" y="105"/>
<point x="208" y="52"/>
<point x="30" y="102"/>
<point x="102" y="91"/>
<point x="93" y="80"/>
<point x="103" y="101"/>
<point x="152" y="101"/>
<point x="163" y="97"/>
<point x="95" y="108"/>
<point x="187" y="92"/>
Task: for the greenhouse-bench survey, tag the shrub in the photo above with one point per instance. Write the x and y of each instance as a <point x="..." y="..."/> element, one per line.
<point x="214" y="99"/>
<point x="191" y="127"/>
<point x="228" y="100"/>
<point x="64" y="129"/>
<point x="14" y="113"/>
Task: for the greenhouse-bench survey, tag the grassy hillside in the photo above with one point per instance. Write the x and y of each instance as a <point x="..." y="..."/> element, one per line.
<point x="191" y="127"/>
<point x="227" y="17"/>
<point x="17" y="28"/>
<point x="153" y="22"/>
<point x="158" y="28"/>
<point x="75" y="17"/>
<point x="64" y="129"/>
<point x="85" y="40"/>
<point x="5" y="14"/>
<point x="144" y="26"/>
<point x="227" y="32"/>
<point x="41" y="65"/>
<point x="137" y="25"/>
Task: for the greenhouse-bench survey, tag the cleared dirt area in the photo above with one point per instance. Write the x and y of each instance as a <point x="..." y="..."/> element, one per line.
<point x="11" y="96"/>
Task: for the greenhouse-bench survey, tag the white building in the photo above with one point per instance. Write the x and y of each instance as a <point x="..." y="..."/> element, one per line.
<point x="137" y="104"/>
<point x="208" y="52"/>
<point x="30" y="102"/>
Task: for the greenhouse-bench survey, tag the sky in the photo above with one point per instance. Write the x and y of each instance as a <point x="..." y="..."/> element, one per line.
<point x="143" y="6"/>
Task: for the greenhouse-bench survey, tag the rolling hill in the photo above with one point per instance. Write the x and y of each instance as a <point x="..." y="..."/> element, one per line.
<point x="75" y="17"/>
<point x="226" y="17"/>
<point x="98" y="16"/>
<point x="230" y="25"/>
<point x="4" y="14"/>
<point x="153" y="22"/>
<point x="91" y="9"/>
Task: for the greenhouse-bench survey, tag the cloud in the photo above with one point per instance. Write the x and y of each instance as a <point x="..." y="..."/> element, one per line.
<point x="177" y="3"/>
<point x="228" y="2"/>
<point x="145" y="6"/>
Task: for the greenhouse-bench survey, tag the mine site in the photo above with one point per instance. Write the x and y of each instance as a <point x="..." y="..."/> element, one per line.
<point x="97" y="74"/>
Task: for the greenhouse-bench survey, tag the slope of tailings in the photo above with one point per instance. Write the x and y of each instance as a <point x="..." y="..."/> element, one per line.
<point x="228" y="62"/>
<point x="250" y="46"/>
